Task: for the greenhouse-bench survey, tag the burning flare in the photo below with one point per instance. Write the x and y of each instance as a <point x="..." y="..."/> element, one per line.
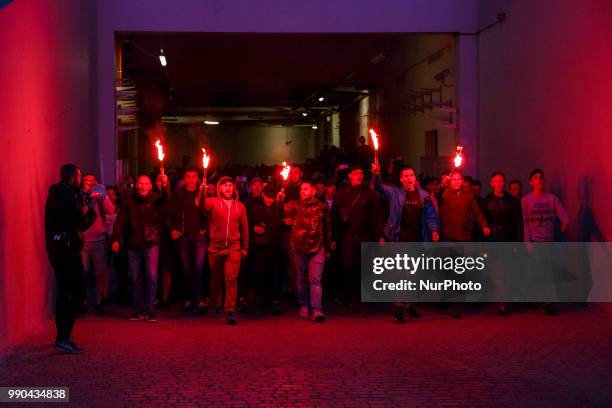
<point x="205" y="159"/>
<point x="458" y="160"/>
<point x="374" y="138"/>
<point x="160" y="150"/>
<point x="285" y="171"/>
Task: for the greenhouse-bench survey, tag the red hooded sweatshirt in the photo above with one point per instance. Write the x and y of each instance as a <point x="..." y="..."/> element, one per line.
<point x="229" y="229"/>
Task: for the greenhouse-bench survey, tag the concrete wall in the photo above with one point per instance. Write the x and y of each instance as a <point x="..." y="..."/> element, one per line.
<point x="545" y="89"/>
<point x="413" y="67"/>
<point x="48" y="118"/>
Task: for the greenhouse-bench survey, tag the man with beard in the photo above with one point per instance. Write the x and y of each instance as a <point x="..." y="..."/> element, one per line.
<point x="229" y="244"/>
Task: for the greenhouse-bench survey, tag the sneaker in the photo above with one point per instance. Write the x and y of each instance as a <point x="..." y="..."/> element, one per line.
<point x="150" y="317"/>
<point x="304" y="311"/>
<point x="202" y="308"/>
<point x="137" y="316"/>
<point x="189" y="307"/>
<point x="230" y="319"/>
<point x="67" y="347"/>
<point x="318" y="317"/>
<point x="399" y="313"/>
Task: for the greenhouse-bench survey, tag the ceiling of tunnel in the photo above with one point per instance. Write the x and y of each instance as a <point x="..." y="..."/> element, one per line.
<point x="268" y="79"/>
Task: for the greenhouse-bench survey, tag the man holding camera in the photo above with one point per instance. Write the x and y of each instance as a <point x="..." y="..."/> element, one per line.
<point x="66" y="217"/>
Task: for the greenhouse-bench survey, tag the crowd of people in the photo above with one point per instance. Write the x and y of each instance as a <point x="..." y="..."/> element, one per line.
<point x="245" y="238"/>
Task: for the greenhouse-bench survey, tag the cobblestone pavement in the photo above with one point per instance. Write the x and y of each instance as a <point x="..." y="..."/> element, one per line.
<point x="525" y="359"/>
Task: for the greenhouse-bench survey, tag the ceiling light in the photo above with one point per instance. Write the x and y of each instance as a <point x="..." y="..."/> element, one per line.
<point x="304" y="114"/>
<point x="315" y="127"/>
<point x="162" y="58"/>
<point x="321" y="99"/>
<point x="211" y="122"/>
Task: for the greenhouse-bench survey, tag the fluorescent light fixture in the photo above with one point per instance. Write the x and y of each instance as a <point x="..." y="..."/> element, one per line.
<point x="162" y="58"/>
<point x="211" y="122"/>
<point x="321" y="99"/>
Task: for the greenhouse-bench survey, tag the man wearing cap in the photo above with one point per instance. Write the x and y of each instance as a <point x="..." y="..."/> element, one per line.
<point x="356" y="217"/>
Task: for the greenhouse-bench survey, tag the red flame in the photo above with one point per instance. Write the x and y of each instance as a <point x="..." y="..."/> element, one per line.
<point x="285" y="171"/>
<point x="374" y="138"/>
<point x="458" y="160"/>
<point x="205" y="159"/>
<point x="160" y="150"/>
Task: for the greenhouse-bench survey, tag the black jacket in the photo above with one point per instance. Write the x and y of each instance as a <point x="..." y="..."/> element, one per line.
<point x="184" y="216"/>
<point x="65" y="220"/>
<point x="503" y="215"/>
<point x="272" y="217"/>
<point x="136" y="214"/>
<point x="365" y="214"/>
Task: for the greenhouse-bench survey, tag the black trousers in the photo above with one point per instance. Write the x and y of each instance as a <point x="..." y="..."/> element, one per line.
<point x="350" y="266"/>
<point x="69" y="273"/>
<point x="266" y="263"/>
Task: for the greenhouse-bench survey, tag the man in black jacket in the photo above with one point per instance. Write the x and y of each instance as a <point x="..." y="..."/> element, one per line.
<point x="265" y="228"/>
<point x="139" y="222"/>
<point x="503" y="214"/>
<point x="66" y="217"/>
<point x="187" y="225"/>
<point x="356" y="217"/>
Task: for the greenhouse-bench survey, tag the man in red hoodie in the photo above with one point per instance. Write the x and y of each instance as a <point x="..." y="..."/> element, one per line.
<point x="229" y="242"/>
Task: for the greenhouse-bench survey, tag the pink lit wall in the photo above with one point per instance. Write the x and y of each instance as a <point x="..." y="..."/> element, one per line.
<point x="47" y="118"/>
<point x="546" y="101"/>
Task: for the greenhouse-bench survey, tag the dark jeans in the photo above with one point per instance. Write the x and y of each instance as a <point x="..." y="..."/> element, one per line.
<point x="70" y="291"/>
<point x="144" y="288"/>
<point x="309" y="268"/>
<point x="266" y="263"/>
<point x="192" y="252"/>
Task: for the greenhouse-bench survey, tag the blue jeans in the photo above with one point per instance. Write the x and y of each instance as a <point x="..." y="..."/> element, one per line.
<point x="309" y="269"/>
<point x="143" y="289"/>
<point x="193" y="258"/>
